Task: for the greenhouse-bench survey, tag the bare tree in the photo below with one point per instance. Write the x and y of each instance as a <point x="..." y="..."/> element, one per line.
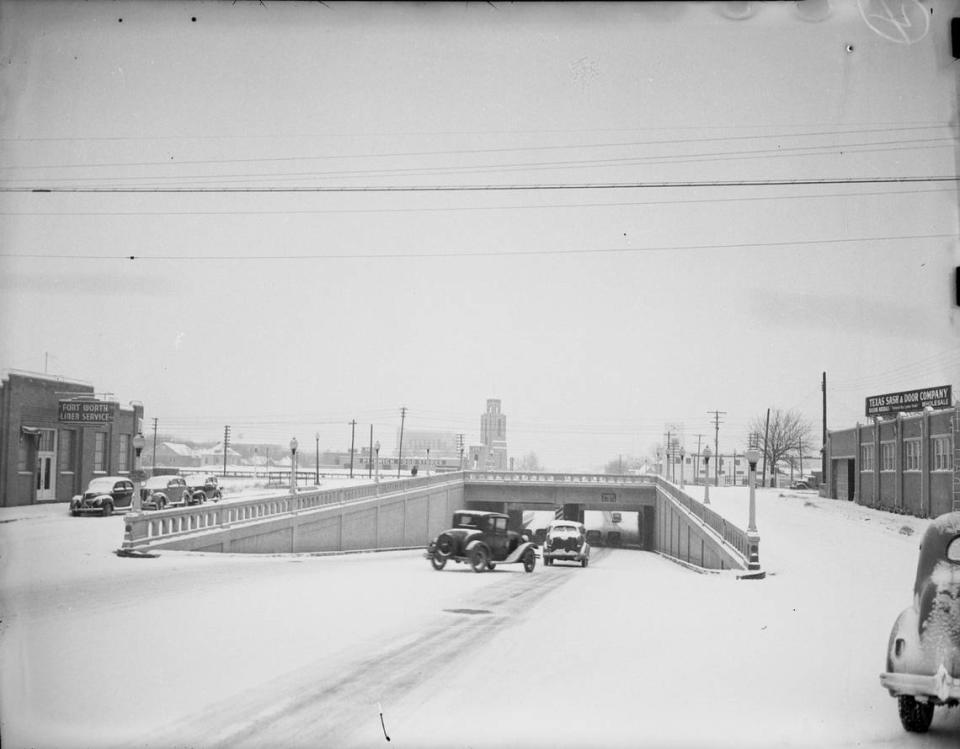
<point x="788" y="431"/>
<point x="529" y="462"/>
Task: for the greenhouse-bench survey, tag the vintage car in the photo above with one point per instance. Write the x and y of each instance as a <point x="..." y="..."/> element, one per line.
<point x="203" y="486"/>
<point x="482" y="540"/>
<point x="566" y="541"/>
<point x="594" y="537"/>
<point x="160" y="492"/>
<point x="103" y="495"/>
<point x="923" y="656"/>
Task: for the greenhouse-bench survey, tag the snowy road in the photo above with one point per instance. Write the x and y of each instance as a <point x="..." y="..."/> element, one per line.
<point x="210" y="650"/>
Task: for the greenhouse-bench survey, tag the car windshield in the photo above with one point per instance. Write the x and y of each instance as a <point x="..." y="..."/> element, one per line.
<point x="471" y="521"/>
<point x="197" y="480"/>
<point x="101" y="485"/>
<point x="157" y="482"/>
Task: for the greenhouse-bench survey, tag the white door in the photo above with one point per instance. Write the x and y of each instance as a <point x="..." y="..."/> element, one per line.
<point x="46" y="465"/>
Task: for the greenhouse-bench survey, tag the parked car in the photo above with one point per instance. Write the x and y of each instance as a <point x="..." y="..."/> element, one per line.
<point x="923" y="655"/>
<point x="481" y="539"/>
<point x="103" y="495"/>
<point x="799" y="485"/>
<point x="160" y="492"/>
<point x="203" y="486"/>
<point x="566" y="541"/>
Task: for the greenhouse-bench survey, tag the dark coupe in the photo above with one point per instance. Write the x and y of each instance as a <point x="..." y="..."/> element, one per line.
<point x="482" y="540"/>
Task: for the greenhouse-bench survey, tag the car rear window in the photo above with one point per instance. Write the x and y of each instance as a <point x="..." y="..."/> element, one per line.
<point x="565" y="529"/>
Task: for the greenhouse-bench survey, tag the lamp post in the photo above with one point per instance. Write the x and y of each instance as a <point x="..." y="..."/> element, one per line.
<point x="376" y="448"/>
<point x="293" y="465"/>
<point x="316" y="479"/>
<point x="682" y="451"/>
<point x="753" y="538"/>
<point x="138" y="443"/>
<point x="659" y="464"/>
<point x="707" y="452"/>
<point x="428" y="461"/>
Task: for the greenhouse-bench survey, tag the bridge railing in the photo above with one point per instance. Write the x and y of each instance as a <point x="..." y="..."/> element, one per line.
<point x="730" y="533"/>
<point x="140" y="529"/>
<point x="562" y="478"/>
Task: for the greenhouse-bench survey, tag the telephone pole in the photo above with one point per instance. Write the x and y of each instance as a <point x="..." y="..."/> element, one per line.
<point x="226" y="443"/>
<point x="766" y="435"/>
<point x="370" y="455"/>
<point x="403" y="416"/>
<point x="696" y="459"/>
<point x="823" y="443"/>
<point x="353" y="428"/>
<point x="716" y="444"/>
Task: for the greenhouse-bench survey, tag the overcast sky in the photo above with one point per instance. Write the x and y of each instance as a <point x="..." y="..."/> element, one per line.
<point x="597" y="305"/>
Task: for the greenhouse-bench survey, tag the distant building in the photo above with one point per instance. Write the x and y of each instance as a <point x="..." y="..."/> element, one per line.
<point x="56" y="435"/>
<point x="171" y="455"/>
<point x="491" y="453"/>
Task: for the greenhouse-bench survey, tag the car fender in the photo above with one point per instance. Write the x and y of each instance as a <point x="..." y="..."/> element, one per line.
<point x="910" y="658"/>
<point x="517" y="554"/>
<point x="101" y="498"/>
<point x="473" y="544"/>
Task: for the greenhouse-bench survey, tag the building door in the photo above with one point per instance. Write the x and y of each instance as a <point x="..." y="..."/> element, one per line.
<point x="46" y="483"/>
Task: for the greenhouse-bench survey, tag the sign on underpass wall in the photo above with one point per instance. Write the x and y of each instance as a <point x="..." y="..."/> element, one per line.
<point x="910" y="400"/>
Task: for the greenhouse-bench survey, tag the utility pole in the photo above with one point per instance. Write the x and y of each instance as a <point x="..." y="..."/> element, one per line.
<point x="403" y="416"/>
<point x="716" y="444"/>
<point x="666" y="456"/>
<point x="823" y="443"/>
<point x="800" y="444"/>
<point x="353" y="429"/>
<point x="316" y="436"/>
<point x="370" y="455"/>
<point x="154" y="442"/>
<point x="226" y="443"/>
<point x="460" y="448"/>
<point x="766" y="435"/>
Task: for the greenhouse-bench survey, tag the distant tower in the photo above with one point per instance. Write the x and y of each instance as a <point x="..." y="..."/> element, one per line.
<point x="493" y="436"/>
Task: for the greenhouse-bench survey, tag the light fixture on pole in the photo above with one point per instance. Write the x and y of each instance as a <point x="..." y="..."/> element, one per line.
<point x="682" y="452"/>
<point x="137" y="474"/>
<point x="707" y="452"/>
<point x="293" y="465"/>
<point x="428" y="461"/>
<point x="659" y="464"/>
<point x="753" y="538"/>
<point x="376" y="449"/>
<point x="316" y="436"/>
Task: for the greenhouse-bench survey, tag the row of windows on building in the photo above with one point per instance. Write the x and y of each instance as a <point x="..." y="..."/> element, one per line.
<point x="940" y="456"/>
<point x="66" y="450"/>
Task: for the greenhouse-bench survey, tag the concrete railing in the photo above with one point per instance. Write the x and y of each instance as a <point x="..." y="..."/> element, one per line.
<point x="141" y="530"/>
<point x="559" y="478"/>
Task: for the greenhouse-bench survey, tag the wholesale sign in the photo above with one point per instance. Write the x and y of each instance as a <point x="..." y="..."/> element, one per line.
<point x="86" y="412"/>
<point x="910" y="400"/>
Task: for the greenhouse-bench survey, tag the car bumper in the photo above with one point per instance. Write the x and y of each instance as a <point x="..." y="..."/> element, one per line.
<point x="88" y="509"/>
<point x="939" y="687"/>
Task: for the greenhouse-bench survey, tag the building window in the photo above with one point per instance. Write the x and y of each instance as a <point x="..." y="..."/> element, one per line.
<point x="866" y="458"/>
<point x="911" y="455"/>
<point x="22" y="453"/>
<point x="100" y="451"/>
<point x="942" y="460"/>
<point x="66" y="450"/>
<point x="887" y="454"/>
<point x="123" y="460"/>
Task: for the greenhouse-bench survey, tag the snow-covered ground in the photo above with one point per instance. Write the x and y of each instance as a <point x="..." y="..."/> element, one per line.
<point x="204" y="650"/>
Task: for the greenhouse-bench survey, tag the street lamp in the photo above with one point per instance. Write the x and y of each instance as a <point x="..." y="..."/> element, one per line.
<point x="376" y="448"/>
<point x="428" y="461"/>
<point x="293" y="465"/>
<point x="659" y="464"/>
<point x="753" y="539"/>
<point x="138" y="443"/>
<point x="707" y="452"/>
<point x="317" y="469"/>
<point x="753" y="455"/>
<point x="682" y="451"/>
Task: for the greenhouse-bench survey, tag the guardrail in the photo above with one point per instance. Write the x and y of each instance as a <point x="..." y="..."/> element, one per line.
<point x="560" y="478"/>
<point x="142" y="529"/>
<point x="726" y="530"/>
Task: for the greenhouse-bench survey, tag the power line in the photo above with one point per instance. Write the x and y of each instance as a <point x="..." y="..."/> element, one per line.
<point x="491" y="188"/>
<point x="457" y="254"/>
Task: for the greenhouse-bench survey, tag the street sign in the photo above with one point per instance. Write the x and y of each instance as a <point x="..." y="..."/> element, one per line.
<point x="910" y="400"/>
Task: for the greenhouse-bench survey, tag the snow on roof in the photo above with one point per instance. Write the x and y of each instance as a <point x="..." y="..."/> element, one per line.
<point x="179" y="448"/>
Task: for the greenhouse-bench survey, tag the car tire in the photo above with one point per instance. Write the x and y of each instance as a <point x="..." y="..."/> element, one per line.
<point x="216" y="497"/>
<point x="438" y="562"/>
<point x="584" y="562"/>
<point x="479" y="558"/>
<point x="529" y="561"/>
<point x="491" y="566"/>
<point x="107" y="509"/>
<point x="445" y="546"/>
<point x="915" y="716"/>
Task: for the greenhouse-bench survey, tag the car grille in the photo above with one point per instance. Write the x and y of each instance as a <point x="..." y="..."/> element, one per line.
<point x="569" y="543"/>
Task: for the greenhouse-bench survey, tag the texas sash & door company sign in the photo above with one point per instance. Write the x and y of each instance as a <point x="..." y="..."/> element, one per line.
<point x="910" y="400"/>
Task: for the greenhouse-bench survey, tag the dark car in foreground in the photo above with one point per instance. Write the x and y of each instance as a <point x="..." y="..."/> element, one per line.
<point x="203" y="486"/>
<point x="160" y="492"/>
<point x="482" y="540"/>
<point x="923" y="655"/>
<point x="103" y="495"/>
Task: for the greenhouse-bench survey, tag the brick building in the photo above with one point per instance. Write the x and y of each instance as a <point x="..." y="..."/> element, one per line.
<point x="56" y="435"/>
<point x="905" y="463"/>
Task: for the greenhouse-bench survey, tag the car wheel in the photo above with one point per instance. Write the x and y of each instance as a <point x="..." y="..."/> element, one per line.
<point x="107" y="509"/>
<point x="584" y="561"/>
<point x="479" y="559"/>
<point x="491" y="566"/>
<point x="185" y="499"/>
<point x="445" y="546"/>
<point x="915" y="716"/>
<point x="529" y="561"/>
<point x="216" y="497"/>
<point x="438" y="562"/>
